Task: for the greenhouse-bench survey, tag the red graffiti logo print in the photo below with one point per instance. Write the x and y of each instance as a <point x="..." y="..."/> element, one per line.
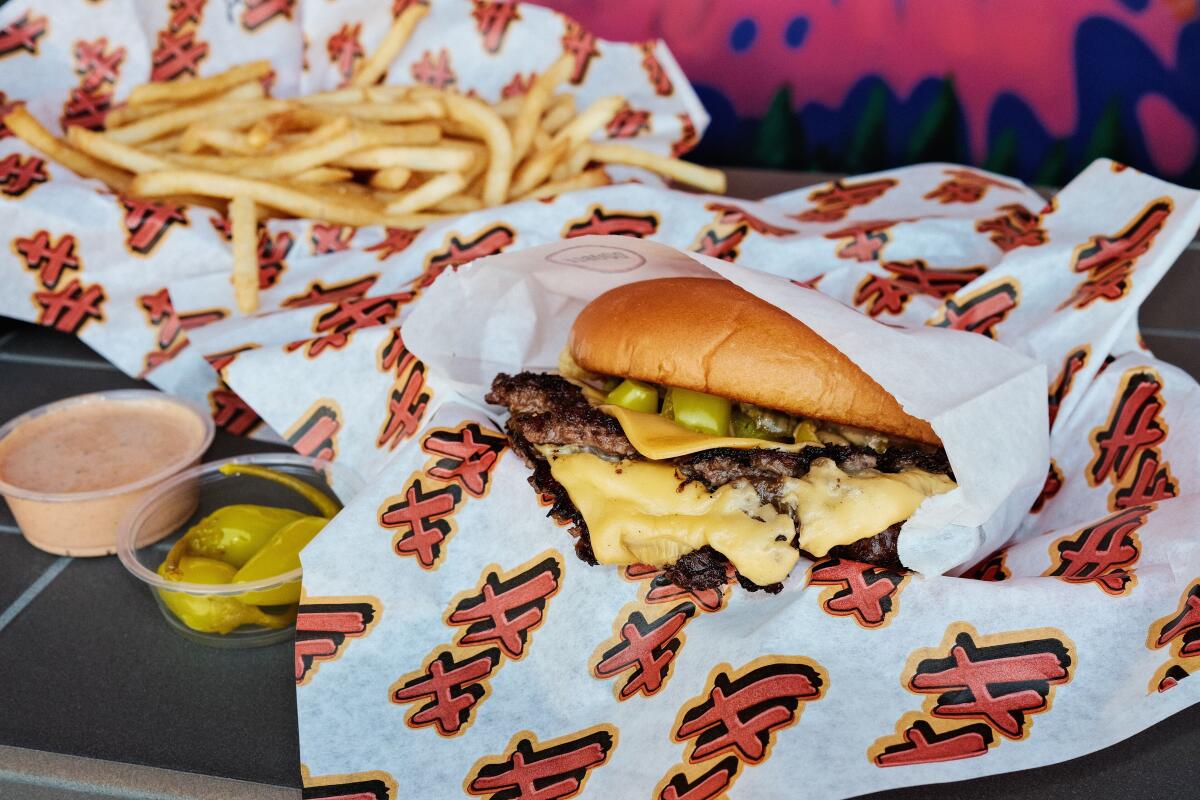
<point x="434" y="70"/>
<point x="996" y="681"/>
<point x="257" y="13"/>
<point x="465" y="455"/>
<point x="646" y="649"/>
<point x="372" y="785"/>
<point x="835" y="200"/>
<point x="864" y="241"/>
<point x="72" y="307"/>
<point x="395" y="240"/>
<point x="601" y="222"/>
<point x="742" y="710"/>
<point x="423" y="518"/>
<point x="492" y="18"/>
<point x="98" y="68"/>
<point x="660" y="589"/>
<point x="345" y="51"/>
<point x="1052" y="486"/>
<point x="692" y="783"/>
<point x="1016" y="227"/>
<point x="982" y="310"/>
<point x="50" y="259"/>
<point x="1109" y="260"/>
<point x="19" y="174"/>
<point x="23" y="35"/>
<point x="325" y="626"/>
<point x="318" y="294"/>
<point x="991" y="568"/>
<point x="1103" y="553"/>
<point x="723" y="245"/>
<point x="655" y="72"/>
<point x="147" y="222"/>
<point x="1180" y="631"/>
<point x="335" y="325"/>
<point x="1126" y="448"/>
<point x="730" y="214"/>
<point x="867" y="593"/>
<point x="450" y="687"/>
<point x="965" y="186"/>
<point x="506" y="608"/>
<point x="688" y="136"/>
<point x="172" y="326"/>
<point x="628" y="122"/>
<point x="908" y="278"/>
<point x="394" y="356"/>
<point x="461" y="250"/>
<point x="518" y="86"/>
<point x="179" y="51"/>
<point x="581" y="45"/>
<point x="231" y="413"/>
<point x="331" y="238"/>
<point x="553" y="770"/>
<point x="1076" y="360"/>
<point x="315" y="433"/>
<point x="407" y="402"/>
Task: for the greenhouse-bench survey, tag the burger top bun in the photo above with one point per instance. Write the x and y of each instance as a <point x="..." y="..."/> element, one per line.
<point x="711" y="336"/>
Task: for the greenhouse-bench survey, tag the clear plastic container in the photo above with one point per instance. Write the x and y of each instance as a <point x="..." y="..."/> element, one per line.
<point x="46" y="451"/>
<point x="149" y="531"/>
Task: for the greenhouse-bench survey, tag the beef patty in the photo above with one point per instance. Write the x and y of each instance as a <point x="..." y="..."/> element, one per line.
<point x="548" y="410"/>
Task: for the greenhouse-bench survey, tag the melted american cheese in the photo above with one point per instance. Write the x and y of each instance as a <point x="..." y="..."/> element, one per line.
<point x="641" y="512"/>
<point x="658" y="438"/>
<point x="638" y="513"/>
<point x="837" y="508"/>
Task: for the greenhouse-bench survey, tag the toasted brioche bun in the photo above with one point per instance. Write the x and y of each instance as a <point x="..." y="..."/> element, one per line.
<point x="712" y="336"/>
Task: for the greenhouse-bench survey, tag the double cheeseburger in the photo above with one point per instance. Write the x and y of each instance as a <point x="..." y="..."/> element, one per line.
<point x="696" y="428"/>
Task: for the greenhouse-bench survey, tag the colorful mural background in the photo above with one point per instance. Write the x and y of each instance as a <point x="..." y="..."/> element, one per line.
<point x="1033" y="89"/>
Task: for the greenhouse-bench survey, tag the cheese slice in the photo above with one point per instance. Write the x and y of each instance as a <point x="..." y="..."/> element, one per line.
<point x="638" y="513"/>
<point x="837" y="508"/>
<point x="658" y="438"/>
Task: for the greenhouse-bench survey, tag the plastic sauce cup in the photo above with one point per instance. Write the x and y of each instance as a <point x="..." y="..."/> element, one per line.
<point x="72" y="469"/>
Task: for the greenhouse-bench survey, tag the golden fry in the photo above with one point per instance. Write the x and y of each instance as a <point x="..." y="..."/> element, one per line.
<point x="539" y="94"/>
<point x="589" y="179"/>
<point x="595" y="117"/>
<point x="231" y="113"/>
<point x="243" y="225"/>
<point x="495" y="135"/>
<point x="376" y="65"/>
<point x="120" y="155"/>
<point x="25" y="126"/>
<point x="704" y="178"/>
<point x="430" y="193"/>
<point x="391" y="178"/>
<point x="560" y="111"/>
<point x="397" y="111"/>
<point x="458" y="204"/>
<point x="123" y="115"/>
<point x="323" y="175"/>
<point x="537" y="168"/>
<point x="424" y="159"/>
<point x="191" y="89"/>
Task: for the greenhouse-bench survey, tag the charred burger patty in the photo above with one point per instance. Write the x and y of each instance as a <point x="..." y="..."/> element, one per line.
<point x="549" y="414"/>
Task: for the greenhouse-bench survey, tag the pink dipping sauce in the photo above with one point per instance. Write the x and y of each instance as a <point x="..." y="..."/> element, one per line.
<point x="71" y="470"/>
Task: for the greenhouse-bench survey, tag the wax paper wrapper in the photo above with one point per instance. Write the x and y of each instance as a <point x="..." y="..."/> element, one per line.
<point x="451" y="643"/>
<point x="87" y="262"/>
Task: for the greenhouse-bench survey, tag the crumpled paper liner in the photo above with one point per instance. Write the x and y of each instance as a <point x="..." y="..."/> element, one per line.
<point x="1078" y="632"/>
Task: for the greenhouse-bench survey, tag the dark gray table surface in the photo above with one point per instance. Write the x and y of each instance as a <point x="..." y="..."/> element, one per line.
<point x="88" y="668"/>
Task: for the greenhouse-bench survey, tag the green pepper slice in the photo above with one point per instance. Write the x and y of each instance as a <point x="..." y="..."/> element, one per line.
<point x="635" y="395"/>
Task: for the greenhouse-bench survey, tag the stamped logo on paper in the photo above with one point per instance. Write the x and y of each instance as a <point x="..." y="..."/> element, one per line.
<point x="598" y="258"/>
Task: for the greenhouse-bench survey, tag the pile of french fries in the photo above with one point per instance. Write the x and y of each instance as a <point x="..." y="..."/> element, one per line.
<point x="367" y="154"/>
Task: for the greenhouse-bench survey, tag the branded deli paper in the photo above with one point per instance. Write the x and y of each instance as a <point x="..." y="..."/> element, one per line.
<point x="136" y="279"/>
<point x="986" y="402"/>
<point x="451" y="643"/>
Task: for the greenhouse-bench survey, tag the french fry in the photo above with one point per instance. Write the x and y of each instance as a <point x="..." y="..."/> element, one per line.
<point x="323" y="175"/>
<point x="166" y="144"/>
<point x="537" y="168"/>
<point x="541" y="140"/>
<point x="560" y="111"/>
<point x="704" y="178"/>
<point x="596" y="116"/>
<point x="119" y="155"/>
<point x="293" y="118"/>
<point x="391" y="178"/>
<point x="123" y="115"/>
<point x="325" y="132"/>
<point x="458" y="204"/>
<point x="430" y="193"/>
<point x="398" y="111"/>
<point x="25" y="126"/>
<point x="420" y="133"/>
<point x="588" y="179"/>
<point x="223" y="140"/>
<point x="495" y="135"/>
<point x="376" y="65"/>
<point x="539" y="94"/>
<point x="191" y="89"/>
<point x="243" y="225"/>
<point x="424" y="159"/>
<point x="232" y="113"/>
<point x="339" y="210"/>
